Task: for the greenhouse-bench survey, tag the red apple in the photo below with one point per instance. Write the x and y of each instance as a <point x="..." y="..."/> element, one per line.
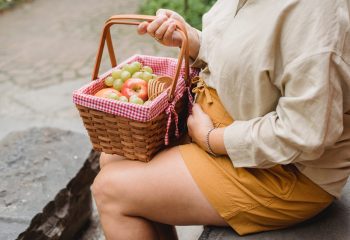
<point x="135" y="86"/>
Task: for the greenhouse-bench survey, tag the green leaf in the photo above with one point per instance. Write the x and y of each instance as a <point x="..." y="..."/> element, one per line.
<point x="193" y="15"/>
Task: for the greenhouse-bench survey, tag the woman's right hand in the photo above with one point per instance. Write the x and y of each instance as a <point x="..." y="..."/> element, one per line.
<point x="163" y="29"/>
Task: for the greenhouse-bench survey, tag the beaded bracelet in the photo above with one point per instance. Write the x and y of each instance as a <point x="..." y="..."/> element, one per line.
<point x="208" y="145"/>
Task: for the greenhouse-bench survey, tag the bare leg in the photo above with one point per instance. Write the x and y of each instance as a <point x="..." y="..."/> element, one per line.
<point x="108" y="158"/>
<point x="164" y="231"/>
<point x="130" y="195"/>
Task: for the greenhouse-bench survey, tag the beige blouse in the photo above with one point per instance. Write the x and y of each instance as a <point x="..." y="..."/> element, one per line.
<point x="282" y="71"/>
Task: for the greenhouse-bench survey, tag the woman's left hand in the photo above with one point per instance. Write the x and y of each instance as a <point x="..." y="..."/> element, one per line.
<point x="199" y="123"/>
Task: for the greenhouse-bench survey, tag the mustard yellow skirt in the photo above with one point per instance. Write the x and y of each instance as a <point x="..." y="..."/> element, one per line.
<point x="251" y="199"/>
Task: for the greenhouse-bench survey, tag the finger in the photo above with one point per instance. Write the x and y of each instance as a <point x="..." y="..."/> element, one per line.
<point x="189" y="127"/>
<point x="189" y="133"/>
<point x="199" y="113"/>
<point x="189" y="121"/>
<point x="169" y="34"/>
<point x="196" y="109"/>
<point x="164" y="12"/>
<point x="169" y="14"/>
<point x="142" y="28"/>
<point x="154" y="25"/>
<point x="162" y="29"/>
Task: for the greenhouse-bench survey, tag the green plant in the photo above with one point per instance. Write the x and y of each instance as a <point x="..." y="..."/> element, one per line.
<point x="8" y="3"/>
<point x="191" y="10"/>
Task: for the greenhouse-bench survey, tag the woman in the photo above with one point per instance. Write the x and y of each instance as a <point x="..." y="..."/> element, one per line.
<point x="281" y="69"/>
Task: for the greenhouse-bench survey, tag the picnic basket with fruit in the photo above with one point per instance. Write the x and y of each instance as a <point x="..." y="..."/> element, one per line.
<point x="139" y="106"/>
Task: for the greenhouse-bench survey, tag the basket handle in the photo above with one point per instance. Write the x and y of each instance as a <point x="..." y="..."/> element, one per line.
<point x="130" y="20"/>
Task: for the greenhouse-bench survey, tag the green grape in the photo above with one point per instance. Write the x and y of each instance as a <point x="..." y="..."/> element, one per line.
<point x="125" y="67"/>
<point x="135" y="99"/>
<point x="123" y="99"/>
<point x="109" y="81"/>
<point x="118" y="84"/>
<point x="136" y="66"/>
<point x="137" y="75"/>
<point x="129" y="68"/>
<point x="147" y="69"/>
<point x="146" y="76"/>
<point x="154" y="76"/>
<point x="125" y="75"/>
<point x="113" y="95"/>
<point x="116" y="74"/>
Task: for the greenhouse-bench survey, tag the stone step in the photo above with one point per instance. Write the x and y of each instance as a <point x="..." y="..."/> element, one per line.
<point x="35" y="167"/>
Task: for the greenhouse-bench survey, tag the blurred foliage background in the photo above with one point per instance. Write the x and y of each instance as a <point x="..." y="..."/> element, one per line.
<point x="7" y="3"/>
<point x="191" y="10"/>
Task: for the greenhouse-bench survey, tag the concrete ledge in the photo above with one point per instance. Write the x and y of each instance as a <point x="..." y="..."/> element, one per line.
<point x="35" y="167"/>
<point x="333" y="223"/>
<point x="66" y="215"/>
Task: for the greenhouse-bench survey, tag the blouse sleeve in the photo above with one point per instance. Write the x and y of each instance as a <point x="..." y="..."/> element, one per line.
<point x="307" y="119"/>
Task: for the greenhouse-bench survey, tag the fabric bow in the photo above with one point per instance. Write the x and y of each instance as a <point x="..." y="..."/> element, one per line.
<point x="171" y="111"/>
<point x="202" y="87"/>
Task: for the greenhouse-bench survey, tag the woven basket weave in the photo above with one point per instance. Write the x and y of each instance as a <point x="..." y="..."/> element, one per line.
<point x="134" y="140"/>
<point x="130" y="130"/>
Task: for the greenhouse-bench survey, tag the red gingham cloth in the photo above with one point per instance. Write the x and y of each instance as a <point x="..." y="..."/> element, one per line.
<point x="161" y="66"/>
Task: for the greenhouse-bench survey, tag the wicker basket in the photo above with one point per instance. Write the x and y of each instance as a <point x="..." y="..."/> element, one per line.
<point x="157" y="86"/>
<point x="137" y="131"/>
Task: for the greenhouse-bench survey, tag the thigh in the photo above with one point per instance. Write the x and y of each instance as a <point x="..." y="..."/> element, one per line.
<point x="162" y="190"/>
<point x="109" y="158"/>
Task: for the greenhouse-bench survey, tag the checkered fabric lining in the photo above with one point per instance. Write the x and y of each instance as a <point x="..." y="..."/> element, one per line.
<point x="160" y="65"/>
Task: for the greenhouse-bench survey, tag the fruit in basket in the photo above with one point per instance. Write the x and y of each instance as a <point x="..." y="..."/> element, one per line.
<point x="135" y="86"/>
<point x="118" y="84"/>
<point x="116" y="73"/>
<point x="136" y="66"/>
<point x="132" y="67"/>
<point x="128" y="68"/>
<point x="109" y="81"/>
<point x="125" y="75"/>
<point x="128" y="84"/>
<point x="135" y="99"/>
<point x="146" y="76"/>
<point x="137" y="75"/>
<point x="147" y="69"/>
<point x="123" y="99"/>
<point x="108" y="93"/>
<point x="113" y="96"/>
<point x="143" y="75"/>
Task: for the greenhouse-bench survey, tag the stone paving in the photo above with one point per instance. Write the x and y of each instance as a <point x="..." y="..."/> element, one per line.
<point x="47" y="50"/>
<point x="33" y="168"/>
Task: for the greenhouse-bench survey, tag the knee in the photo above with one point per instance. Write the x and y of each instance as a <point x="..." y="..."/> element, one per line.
<point x="107" y="187"/>
<point x="101" y="188"/>
<point x="97" y="189"/>
<point x="108" y="158"/>
<point x="104" y="158"/>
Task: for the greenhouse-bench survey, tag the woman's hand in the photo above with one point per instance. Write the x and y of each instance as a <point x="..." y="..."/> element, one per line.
<point x="199" y="124"/>
<point x="163" y="29"/>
